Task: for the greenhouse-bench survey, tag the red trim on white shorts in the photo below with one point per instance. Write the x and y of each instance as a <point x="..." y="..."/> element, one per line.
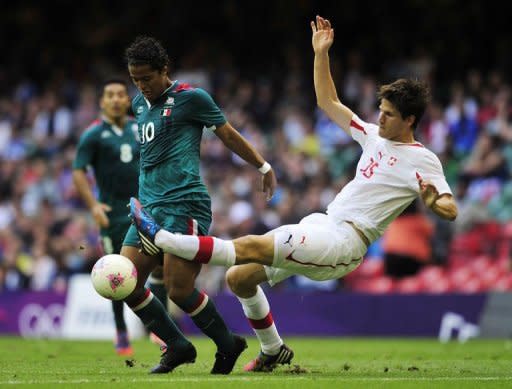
<point x="289" y="257"/>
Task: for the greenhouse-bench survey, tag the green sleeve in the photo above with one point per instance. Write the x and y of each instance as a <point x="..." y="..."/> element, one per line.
<point x="204" y="109"/>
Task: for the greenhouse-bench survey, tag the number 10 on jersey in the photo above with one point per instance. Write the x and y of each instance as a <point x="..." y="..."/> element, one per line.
<point x="147" y="132"/>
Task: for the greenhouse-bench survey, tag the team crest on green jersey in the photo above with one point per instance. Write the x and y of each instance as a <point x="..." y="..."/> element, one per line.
<point x="165" y="112"/>
<point x="167" y="107"/>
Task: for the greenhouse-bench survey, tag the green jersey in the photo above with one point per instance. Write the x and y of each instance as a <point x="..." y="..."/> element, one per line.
<point x="113" y="154"/>
<point x="170" y="132"/>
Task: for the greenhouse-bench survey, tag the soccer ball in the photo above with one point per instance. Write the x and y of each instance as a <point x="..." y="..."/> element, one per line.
<point x="114" y="276"/>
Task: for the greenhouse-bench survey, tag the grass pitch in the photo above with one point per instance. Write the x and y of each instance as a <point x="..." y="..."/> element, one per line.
<point x="318" y="363"/>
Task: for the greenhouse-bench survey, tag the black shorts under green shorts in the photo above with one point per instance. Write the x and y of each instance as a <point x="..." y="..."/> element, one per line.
<point x="112" y="237"/>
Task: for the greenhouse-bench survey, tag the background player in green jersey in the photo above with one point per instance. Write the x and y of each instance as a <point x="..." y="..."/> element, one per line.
<point x="171" y="118"/>
<point x="110" y="146"/>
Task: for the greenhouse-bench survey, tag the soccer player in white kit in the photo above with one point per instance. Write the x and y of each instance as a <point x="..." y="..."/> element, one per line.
<point x="393" y="170"/>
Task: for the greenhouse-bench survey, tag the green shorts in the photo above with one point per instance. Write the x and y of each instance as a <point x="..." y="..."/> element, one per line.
<point x="188" y="217"/>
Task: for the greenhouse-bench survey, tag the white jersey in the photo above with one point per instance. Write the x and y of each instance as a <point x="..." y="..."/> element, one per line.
<point x="386" y="180"/>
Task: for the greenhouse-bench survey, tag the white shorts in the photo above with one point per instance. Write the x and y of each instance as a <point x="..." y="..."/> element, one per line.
<point x="316" y="248"/>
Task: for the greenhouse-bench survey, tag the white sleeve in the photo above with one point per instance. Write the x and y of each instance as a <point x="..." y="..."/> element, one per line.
<point x="362" y="131"/>
<point x="430" y="169"/>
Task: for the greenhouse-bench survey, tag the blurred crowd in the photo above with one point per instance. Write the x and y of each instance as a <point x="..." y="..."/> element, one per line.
<point x="47" y="235"/>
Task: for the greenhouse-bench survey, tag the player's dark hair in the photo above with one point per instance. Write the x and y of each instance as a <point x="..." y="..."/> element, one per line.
<point x="409" y="97"/>
<point x="146" y="50"/>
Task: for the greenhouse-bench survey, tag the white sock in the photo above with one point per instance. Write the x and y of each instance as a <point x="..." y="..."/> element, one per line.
<point x="257" y="310"/>
<point x="204" y="249"/>
<point x="167" y="241"/>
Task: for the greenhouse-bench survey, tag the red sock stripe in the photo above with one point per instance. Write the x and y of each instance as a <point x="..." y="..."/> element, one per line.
<point x="261" y="324"/>
<point x="147" y="292"/>
<point x="204" y="254"/>
<point x="198" y="303"/>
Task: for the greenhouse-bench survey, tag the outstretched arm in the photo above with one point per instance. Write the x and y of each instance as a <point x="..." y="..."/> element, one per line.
<point x="240" y="146"/>
<point x="326" y="96"/>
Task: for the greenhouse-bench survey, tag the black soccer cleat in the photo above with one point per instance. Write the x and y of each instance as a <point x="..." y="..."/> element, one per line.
<point x="224" y="362"/>
<point x="172" y="359"/>
<point x="267" y="363"/>
<point x="146" y="226"/>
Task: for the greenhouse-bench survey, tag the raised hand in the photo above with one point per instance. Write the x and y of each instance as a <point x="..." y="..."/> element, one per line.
<point x="269" y="184"/>
<point x="323" y="35"/>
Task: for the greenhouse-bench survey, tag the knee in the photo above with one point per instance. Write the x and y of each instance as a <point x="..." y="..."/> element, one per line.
<point x="238" y="281"/>
<point x="179" y="291"/>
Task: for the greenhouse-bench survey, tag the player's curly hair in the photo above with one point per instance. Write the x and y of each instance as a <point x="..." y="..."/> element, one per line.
<point x="408" y="96"/>
<point x="146" y="50"/>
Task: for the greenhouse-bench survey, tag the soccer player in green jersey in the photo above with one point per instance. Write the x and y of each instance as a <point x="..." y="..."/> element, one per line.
<point x="171" y="116"/>
<point x="111" y="148"/>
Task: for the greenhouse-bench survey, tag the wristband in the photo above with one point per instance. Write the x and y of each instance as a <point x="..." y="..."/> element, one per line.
<point x="265" y="168"/>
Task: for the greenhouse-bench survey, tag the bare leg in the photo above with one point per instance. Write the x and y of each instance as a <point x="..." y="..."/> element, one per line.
<point x="144" y="265"/>
<point x="243" y="280"/>
<point x="255" y="249"/>
<point x="179" y="277"/>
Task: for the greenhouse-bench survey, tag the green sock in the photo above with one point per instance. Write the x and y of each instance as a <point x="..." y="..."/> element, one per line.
<point x="118" y="308"/>
<point x="155" y="318"/>
<point x="157" y="287"/>
<point x="205" y="316"/>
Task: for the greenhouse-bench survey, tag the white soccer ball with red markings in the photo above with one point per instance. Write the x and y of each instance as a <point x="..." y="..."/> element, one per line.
<point x="114" y="276"/>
